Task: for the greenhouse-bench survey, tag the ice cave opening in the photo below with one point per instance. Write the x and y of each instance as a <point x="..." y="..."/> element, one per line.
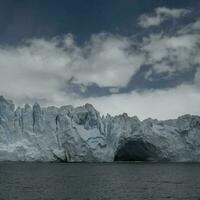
<point x="137" y="151"/>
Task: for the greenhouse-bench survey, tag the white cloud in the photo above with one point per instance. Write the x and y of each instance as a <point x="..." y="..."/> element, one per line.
<point x="114" y="90"/>
<point x="191" y="28"/>
<point x="109" y="58"/>
<point x="41" y="68"/>
<point x="172" y="53"/>
<point x="160" y="104"/>
<point x="196" y="25"/>
<point x="161" y="14"/>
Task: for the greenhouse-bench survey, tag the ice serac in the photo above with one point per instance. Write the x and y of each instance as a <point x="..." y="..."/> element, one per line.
<point x="69" y="134"/>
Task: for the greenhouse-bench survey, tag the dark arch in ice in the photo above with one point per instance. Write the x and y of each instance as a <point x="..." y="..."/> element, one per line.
<point x="137" y="151"/>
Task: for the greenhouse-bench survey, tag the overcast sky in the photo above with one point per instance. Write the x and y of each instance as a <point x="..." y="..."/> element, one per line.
<point x="141" y="57"/>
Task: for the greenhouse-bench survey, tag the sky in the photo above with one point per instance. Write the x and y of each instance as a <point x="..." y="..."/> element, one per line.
<point x="141" y="57"/>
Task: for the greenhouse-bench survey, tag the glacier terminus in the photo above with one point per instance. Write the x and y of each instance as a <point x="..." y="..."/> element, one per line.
<point x="68" y="134"/>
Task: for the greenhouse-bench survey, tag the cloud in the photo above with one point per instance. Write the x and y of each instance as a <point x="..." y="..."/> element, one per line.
<point x="107" y="58"/>
<point x="172" y="54"/>
<point x="160" y="104"/>
<point x="161" y="15"/>
<point x="43" y="68"/>
<point x="190" y="28"/>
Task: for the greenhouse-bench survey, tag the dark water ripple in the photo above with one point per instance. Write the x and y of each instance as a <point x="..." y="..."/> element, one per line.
<point x="81" y="181"/>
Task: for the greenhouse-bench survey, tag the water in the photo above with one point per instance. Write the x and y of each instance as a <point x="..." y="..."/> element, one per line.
<point x="82" y="181"/>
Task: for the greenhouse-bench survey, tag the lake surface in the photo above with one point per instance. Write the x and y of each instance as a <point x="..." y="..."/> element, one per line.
<point x="113" y="181"/>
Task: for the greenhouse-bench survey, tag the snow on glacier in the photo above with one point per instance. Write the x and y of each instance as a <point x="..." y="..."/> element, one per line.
<point x="32" y="133"/>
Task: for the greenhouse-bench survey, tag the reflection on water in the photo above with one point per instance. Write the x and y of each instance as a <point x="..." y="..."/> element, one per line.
<point x="82" y="181"/>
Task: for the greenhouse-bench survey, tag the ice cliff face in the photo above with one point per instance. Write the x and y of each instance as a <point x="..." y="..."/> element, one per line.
<point x="81" y="134"/>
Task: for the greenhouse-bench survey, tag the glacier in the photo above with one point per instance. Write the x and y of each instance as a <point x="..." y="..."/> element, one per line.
<point x="81" y="134"/>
